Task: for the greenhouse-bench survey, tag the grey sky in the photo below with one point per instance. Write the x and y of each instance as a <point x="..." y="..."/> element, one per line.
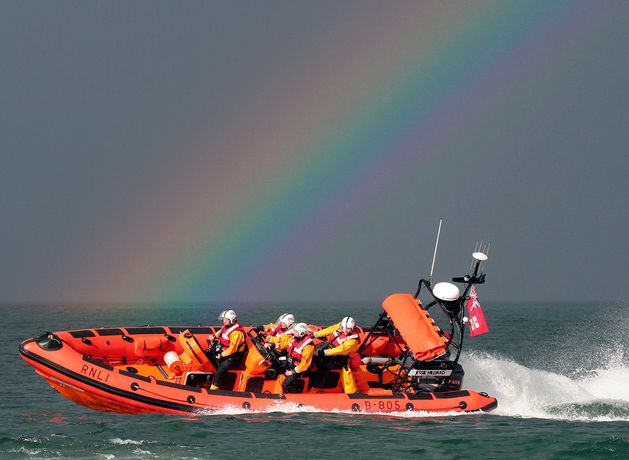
<point x="97" y="98"/>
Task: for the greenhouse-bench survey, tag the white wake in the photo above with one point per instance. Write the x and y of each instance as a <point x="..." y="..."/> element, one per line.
<point x="602" y="395"/>
<point x="293" y="408"/>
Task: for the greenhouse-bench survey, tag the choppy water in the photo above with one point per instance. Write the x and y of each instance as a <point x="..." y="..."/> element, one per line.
<point x="559" y="371"/>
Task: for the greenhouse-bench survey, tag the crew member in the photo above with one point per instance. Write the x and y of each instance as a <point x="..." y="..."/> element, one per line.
<point x="341" y="340"/>
<point x="299" y="355"/>
<point x="280" y="342"/>
<point x="231" y="346"/>
<point x="279" y="327"/>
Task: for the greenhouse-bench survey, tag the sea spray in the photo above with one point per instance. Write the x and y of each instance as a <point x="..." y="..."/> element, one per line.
<point x="526" y="392"/>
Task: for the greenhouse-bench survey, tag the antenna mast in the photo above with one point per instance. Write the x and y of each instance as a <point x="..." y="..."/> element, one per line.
<point x="434" y="255"/>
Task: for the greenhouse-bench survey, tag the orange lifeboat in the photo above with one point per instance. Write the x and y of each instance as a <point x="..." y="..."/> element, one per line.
<point x="164" y="369"/>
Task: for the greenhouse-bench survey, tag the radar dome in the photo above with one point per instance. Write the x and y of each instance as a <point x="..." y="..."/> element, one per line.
<point x="447" y="292"/>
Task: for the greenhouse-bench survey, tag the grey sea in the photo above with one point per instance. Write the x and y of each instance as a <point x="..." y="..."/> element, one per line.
<point x="559" y="371"/>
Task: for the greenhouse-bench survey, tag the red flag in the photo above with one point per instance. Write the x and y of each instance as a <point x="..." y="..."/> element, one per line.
<point x="477" y="322"/>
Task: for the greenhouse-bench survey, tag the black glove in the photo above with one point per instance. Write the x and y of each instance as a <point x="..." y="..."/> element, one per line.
<point x="258" y="328"/>
<point x="321" y="353"/>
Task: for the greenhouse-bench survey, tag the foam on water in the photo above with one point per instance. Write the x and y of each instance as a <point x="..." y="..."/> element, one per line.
<point x="596" y="395"/>
<point x="293" y="408"/>
<point x="602" y="395"/>
<point x="123" y="442"/>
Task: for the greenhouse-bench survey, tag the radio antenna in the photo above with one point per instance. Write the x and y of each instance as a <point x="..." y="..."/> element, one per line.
<point x="480" y="247"/>
<point x="486" y="251"/>
<point x="476" y="249"/>
<point x="434" y="255"/>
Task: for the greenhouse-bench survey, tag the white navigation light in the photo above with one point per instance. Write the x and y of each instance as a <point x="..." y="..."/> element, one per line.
<point x="447" y="292"/>
<point x="480" y="256"/>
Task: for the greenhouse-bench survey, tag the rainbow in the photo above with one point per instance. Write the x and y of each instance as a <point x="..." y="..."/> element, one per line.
<point x="316" y="153"/>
